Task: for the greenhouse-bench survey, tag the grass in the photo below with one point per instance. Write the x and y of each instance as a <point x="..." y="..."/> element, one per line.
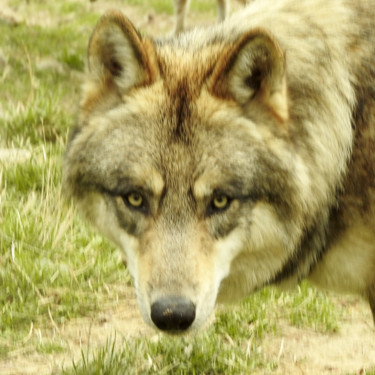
<point x="232" y="345"/>
<point x="54" y="268"/>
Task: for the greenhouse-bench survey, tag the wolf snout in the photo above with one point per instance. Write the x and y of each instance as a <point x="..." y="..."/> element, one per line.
<point x="173" y="313"/>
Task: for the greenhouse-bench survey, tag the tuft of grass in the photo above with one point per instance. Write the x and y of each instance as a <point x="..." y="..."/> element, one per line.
<point x="310" y="308"/>
<point x="52" y="265"/>
<point x="51" y="347"/>
<point x="35" y="122"/>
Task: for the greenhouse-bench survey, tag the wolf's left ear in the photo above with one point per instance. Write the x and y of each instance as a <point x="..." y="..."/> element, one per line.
<point x="253" y="71"/>
<point x="117" y="55"/>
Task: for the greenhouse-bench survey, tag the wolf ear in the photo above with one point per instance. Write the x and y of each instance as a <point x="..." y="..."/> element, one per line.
<point x="118" y="55"/>
<point x="253" y="71"/>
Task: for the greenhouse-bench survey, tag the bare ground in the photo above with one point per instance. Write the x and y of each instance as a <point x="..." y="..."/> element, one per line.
<point x="79" y="335"/>
<point x="304" y="351"/>
<point x="297" y="351"/>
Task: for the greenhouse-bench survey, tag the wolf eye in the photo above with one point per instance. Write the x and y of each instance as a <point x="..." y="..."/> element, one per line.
<point x="134" y="200"/>
<point x="219" y="203"/>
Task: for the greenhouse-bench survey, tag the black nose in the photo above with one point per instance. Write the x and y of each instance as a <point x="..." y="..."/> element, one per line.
<point x="173" y="313"/>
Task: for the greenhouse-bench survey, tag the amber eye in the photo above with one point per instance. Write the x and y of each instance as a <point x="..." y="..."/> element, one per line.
<point x="220" y="202"/>
<point x="135" y="200"/>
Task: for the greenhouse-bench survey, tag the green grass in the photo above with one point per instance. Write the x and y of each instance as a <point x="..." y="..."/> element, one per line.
<point x="53" y="267"/>
<point x="232" y="345"/>
<point x="166" y="6"/>
<point x="51" y="263"/>
<point x="229" y="346"/>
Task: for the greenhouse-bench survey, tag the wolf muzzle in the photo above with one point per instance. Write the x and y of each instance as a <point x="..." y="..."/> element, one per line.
<point x="173" y="314"/>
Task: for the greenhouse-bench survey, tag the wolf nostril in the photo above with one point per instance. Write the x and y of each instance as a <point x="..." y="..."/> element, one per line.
<point x="173" y="313"/>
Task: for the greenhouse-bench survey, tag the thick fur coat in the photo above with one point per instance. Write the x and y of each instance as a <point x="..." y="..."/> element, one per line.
<point x="232" y="157"/>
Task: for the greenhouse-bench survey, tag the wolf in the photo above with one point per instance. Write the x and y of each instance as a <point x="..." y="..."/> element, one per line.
<point x="181" y="7"/>
<point x="232" y="157"/>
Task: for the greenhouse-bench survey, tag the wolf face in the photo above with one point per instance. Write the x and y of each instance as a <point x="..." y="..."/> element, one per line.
<point x="189" y="156"/>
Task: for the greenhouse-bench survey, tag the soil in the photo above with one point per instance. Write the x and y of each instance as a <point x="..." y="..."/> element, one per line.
<point x="296" y="350"/>
<point x="305" y="351"/>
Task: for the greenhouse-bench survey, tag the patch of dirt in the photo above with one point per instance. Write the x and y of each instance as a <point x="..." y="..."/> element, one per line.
<point x="296" y="351"/>
<point x="78" y="335"/>
<point x="304" y="351"/>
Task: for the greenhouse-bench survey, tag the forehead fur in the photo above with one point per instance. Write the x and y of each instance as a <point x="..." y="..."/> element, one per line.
<point x="184" y="74"/>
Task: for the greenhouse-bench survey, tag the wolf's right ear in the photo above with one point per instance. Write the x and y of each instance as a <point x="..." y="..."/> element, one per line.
<point x="253" y="71"/>
<point x="118" y="56"/>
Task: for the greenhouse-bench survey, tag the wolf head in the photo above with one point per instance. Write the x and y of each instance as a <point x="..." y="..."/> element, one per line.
<point x="182" y="157"/>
